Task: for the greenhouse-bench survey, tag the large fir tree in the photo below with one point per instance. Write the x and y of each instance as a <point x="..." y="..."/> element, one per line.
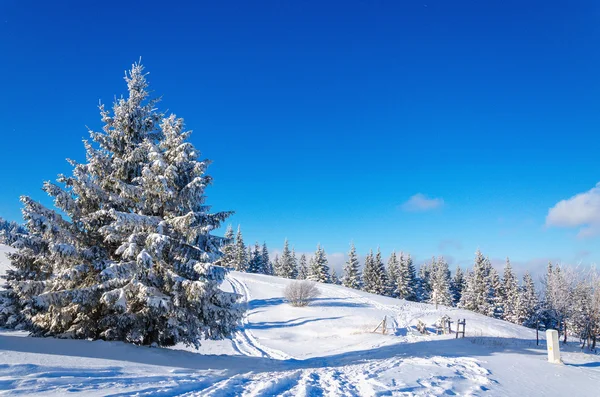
<point x="133" y="259"/>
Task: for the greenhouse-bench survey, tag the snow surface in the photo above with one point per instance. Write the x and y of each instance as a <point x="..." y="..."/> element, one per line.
<point x="327" y="348"/>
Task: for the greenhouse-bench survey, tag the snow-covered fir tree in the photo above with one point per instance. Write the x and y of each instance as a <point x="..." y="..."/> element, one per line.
<point x="406" y="280"/>
<point x="477" y="294"/>
<point x="334" y="277"/>
<point x="276" y="265"/>
<point x="228" y="248"/>
<point x="294" y="264"/>
<point x="302" y="268"/>
<point x="265" y="261"/>
<point x="457" y="285"/>
<point x="509" y="294"/>
<point x="287" y="265"/>
<point x="374" y="275"/>
<point x="133" y="259"/>
<point x="240" y="261"/>
<point x="527" y="304"/>
<point x="352" y="276"/>
<point x="423" y="292"/>
<point x="440" y="283"/>
<point x="496" y="306"/>
<point x="11" y="232"/>
<point x="319" y="269"/>
<point x="255" y="264"/>
<point x="393" y="270"/>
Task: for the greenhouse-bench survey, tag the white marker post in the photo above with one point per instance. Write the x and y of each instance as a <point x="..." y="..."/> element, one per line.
<point x="552" y="345"/>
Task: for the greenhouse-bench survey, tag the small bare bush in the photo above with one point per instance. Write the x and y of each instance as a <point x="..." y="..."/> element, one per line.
<point x="300" y="293"/>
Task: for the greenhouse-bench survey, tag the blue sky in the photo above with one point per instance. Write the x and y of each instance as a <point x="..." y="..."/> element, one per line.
<point x="324" y="120"/>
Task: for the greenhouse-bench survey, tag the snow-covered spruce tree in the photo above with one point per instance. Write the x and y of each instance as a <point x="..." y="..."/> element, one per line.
<point x="11" y="232"/>
<point x="393" y="270"/>
<point x="255" y="264"/>
<point x="352" y="277"/>
<point x="240" y="259"/>
<point x="528" y="303"/>
<point x="510" y="294"/>
<point x="276" y="266"/>
<point x="134" y="260"/>
<point x="294" y="264"/>
<point x="228" y="248"/>
<point x="406" y="280"/>
<point x="319" y="269"/>
<point x="496" y="306"/>
<point x="374" y="276"/>
<point x="287" y="265"/>
<point x="334" y="277"/>
<point x="302" y="268"/>
<point x="440" y="283"/>
<point x="265" y="262"/>
<point x="477" y="294"/>
<point x="457" y="285"/>
<point x="30" y="266"/>
<point x="423" y="292"/>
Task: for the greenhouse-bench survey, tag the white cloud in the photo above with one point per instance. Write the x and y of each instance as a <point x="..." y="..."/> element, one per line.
<point x="420" y="202"/>
<point x="581" y="210"/>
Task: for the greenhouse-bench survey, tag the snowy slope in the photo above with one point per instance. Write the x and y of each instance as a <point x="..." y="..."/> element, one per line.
<point x="324" y="349"/>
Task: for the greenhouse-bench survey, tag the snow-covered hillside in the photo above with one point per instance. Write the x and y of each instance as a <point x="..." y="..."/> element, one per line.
<point x="324" y="349"/>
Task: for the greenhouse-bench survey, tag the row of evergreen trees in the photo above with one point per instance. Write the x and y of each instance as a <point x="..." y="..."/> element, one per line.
<point x="481" y="289"/>
<point x="256" y="260"/>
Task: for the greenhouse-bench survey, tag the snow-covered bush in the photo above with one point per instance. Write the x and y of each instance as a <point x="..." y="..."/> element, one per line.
<point x="300" y="293"/>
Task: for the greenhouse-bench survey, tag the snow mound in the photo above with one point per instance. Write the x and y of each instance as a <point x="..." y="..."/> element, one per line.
<point x="327" y="348"/>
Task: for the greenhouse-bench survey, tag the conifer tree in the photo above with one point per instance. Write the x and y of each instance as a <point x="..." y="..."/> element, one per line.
<point x="374" y="275"/>
<point x="255" y="264"/>
<point x="133" y="259"/>
<point x="287" y="265"/>
<point x="393" y="272"/>
<point x="276" y="266"/>
<point x="302" y="268"/>
<point x="406" y="280"/>
<point x="334" y="278"/>
<point x="240" y="262"/>
<point x="496" y="304"/>
<point x="424" y="283"/>
<point x="477" y="294"/>
<point x="528" y="302"/>
<point x="457" y="285"/>
<point x="11" y="232"/>
<point x="228" y="248"/>
<point x="510" y="294"/>
<point x="440" y="283"/>
<point x="352" y="276"/>
<point x="319" y="269"/>
<point x="265" y="262"/>
<point x="294" y="272"/>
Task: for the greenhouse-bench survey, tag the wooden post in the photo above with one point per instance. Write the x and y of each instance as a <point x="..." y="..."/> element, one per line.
<point x="537" y="333"/>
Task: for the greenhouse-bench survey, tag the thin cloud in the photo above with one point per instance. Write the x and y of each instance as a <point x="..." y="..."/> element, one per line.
<point x="449" y="244"/>
<point x="420" y="202"/>
<point x="581" y="210"/>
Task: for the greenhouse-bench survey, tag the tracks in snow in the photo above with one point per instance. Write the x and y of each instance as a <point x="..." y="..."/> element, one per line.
<point x="244" y="341"/>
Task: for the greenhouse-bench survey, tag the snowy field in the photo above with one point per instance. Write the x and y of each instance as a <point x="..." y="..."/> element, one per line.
<point x="325" y="349"/>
